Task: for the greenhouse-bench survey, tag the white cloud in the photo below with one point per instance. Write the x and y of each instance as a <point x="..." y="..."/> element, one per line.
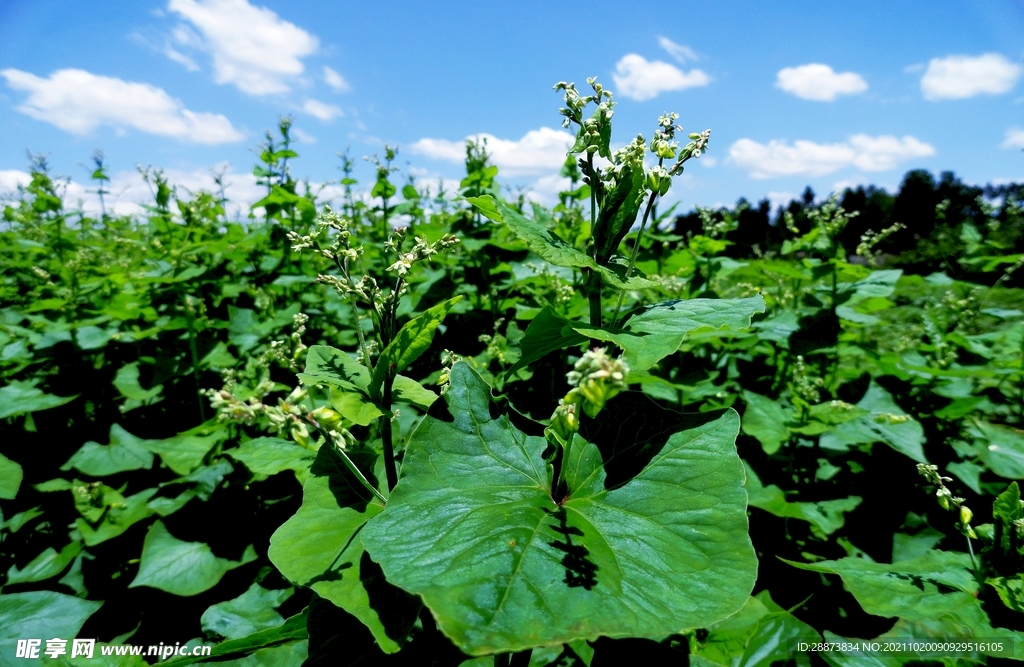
<point x="538" y="151"/>
<point x="10" y="179"/>
<point x="678" y="51"/>
<point x="322" y="110"/>
<point x="959" y="77"/>
<point x="252" y="47"/>
<point x="180" y="58"/>
<point x="303" y="137"/>
<point x="641" y="79"/>
<point x="1014" y="139"/>
<point x="807" y="158"/>
<point x="819" y="82"/>
<point x="336" y="81"/>
<point x="77" y="101"/>
<point x="545" y="189"/>
<point x="708" y="162"/>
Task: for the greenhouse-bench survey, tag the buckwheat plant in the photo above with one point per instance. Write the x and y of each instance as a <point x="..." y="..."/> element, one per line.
<point x="333" y="238"/>
<point x="618" y="190"/>
<point x="948" y="501"/>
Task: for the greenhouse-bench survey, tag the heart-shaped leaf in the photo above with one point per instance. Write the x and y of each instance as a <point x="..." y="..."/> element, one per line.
<point x="181" y="568"/>
<point x="321" y="547"/>
<point x="472" y="529"/>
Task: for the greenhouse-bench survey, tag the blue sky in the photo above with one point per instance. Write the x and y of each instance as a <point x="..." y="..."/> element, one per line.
<point x="796" y="93"/>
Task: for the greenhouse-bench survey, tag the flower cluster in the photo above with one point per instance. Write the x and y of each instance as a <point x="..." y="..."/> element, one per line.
<point x="596" y="378"/>
<point x="448" y="359"/>
<point x="576" y="103"/>
<point x="947" y="500"/>
<point x="831" y="217"/>
<point x="871" y="238"/>
<point x="328" y="223"/>
<point x="806" y="385"/>
<point x="341" y="251"/>
<point x="421" y="250"/>
<point x="291" y="414"/>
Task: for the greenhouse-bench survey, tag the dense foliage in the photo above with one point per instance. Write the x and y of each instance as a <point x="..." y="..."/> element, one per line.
<point x="429" y="428"/>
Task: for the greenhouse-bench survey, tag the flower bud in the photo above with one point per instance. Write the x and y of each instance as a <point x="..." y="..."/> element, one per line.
<point x="564" y="422"/>
<point x="300" y="434"/>
<point x="966" y="515"/>
<point x="326" y="416"/>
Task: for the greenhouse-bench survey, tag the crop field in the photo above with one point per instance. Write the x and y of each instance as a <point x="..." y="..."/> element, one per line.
<point x="417" y="427"/>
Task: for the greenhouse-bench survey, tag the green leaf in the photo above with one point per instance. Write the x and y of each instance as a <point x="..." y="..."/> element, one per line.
<point x="184" y="452"/>
<point x="548" y="332"/>
<point x="20" y="397"/>
<point x="11" y="475"/>
<point x="127" y="382"/>
<point x="291" y="654"/>
<point x="354" y="406"/>
<point x="45" y="565"/>
<point x="247" y="614"/>
<point x="539" y="238"/>
<point x="549" y="246"/>
<point x="765" y="420"/>
<point x="125" y="452"/>
<point x="243" y="327"/>
<point x="541" y="656"/>
<point x="218" y="358"/>
<point x="291" y="630"/>
<point x="906" y="546"/>
<point x="1000" y="448"/>
<point x="411" y="391"/>
<point x="1010" y="591"/>
<point x="269" y="456"/>
<point x="757" y="635"/>
<point x="618" y="213"/>
<point x="659" y="330"/>
<point x="92" y="338"/>
<point x="330" y="366"/>
<point x="887" y="423"/>
<point x="929" y="586"/>
<point x="825" y="516"/>
<point x="181" y="568"/>
<point x="503" y="567"/>
<point x="40" y="614"/>
<point x="412" y="340"/>
<point x="1007" y="505"/>
<point x="19" y="520"/>
<point x="321" y="547"/>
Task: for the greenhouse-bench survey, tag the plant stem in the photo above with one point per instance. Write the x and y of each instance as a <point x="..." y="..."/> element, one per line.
<point x="632" y="255"/>
<point x="561" y="488"/>
<point x="593" y="284"/>
<point x="193" y="351"/>
<point x="974" y="563"/>
<point x="390" y="469"/>
<point x="593" y="287"/>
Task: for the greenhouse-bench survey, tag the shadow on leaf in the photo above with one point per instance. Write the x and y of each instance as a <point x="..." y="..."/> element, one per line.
<point x="632" y="429"/>
<point x="346" y="489"/>
<point x="580" y="571"/>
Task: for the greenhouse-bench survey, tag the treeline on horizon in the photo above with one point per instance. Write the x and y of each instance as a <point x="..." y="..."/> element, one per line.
<point x="947" y="225"/>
